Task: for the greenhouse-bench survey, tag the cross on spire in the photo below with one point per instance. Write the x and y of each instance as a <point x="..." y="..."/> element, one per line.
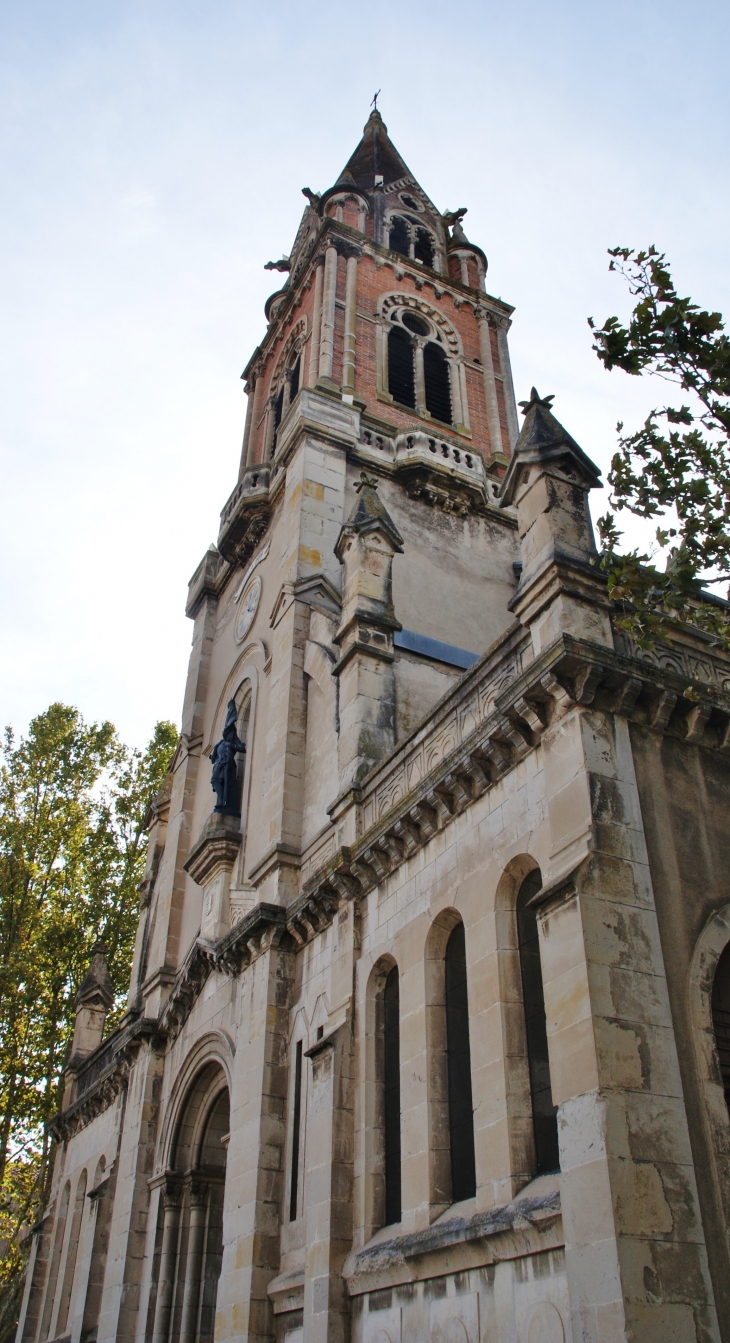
<point x="374" y="103"/>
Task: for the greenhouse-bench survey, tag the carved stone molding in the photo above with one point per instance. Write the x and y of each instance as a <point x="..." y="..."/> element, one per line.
<point x="245" y="516"/>
<point x="104" y="1075"/>
<point x="492" y="719"/>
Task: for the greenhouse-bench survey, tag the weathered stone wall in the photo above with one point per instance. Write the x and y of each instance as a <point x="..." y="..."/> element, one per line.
<point x="685" y="801"/>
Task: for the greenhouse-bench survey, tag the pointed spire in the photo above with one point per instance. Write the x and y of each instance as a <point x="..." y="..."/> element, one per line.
<point x="375" y="157"/>
<point x="543" y="439"/>
<point x="368" y="514"/>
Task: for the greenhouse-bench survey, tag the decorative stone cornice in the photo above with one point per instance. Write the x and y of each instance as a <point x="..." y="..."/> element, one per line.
<point x="207" y="582"/>
<point x="245" y="515"/>
<point x="250" y="938"/>
<point x="104" y="1075"/>
<point x="485" y="727"/>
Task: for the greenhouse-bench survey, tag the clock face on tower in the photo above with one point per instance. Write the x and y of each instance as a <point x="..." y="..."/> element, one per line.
<point x="248" y="608"/>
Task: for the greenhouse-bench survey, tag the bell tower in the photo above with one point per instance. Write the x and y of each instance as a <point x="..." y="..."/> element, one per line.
<point x="384" y="354"/>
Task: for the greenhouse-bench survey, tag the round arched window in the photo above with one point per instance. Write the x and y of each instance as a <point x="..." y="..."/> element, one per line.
<point x="418" y="325"/>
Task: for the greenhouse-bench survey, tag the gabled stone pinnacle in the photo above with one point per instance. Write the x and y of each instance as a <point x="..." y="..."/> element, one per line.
<point x="97" y="983"/>
<point x="368" y="514"/>
<point x="543" y="439"/>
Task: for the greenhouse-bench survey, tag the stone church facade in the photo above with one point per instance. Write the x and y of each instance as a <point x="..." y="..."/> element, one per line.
<point x="428" y="1031"/>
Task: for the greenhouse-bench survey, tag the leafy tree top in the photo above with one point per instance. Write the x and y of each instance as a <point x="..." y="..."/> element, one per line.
<point x="676" y="467"/>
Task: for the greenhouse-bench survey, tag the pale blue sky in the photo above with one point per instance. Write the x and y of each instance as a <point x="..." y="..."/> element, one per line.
<point x="152" y="157"/>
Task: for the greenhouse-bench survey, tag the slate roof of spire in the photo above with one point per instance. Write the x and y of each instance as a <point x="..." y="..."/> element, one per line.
<point x="376" y="156"/>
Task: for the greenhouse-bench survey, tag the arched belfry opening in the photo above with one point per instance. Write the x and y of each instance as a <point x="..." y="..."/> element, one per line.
<point x="190" y="1238"/>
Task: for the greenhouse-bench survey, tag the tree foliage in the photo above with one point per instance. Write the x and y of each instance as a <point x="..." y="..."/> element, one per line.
<point x="73" y="801"/>
<point x="676" y="467"/>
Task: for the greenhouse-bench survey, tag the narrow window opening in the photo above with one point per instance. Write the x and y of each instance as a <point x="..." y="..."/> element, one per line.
<point x="55" y="1262"/>
<point x="436" y="377"/>
<point x="73" y="1245"/>
<point x="242" y="758"/>
<point x="102" y="1201"/>
<point x="544" y="1113"/>
<point x="721" y="1019"/>
<point x="294" y="381"/>
<point x="461" y="1109"/>
<point x="401" y="374"/>
<point x="278" y="405"/>
<point x="391" y="1089"/>
<point x="424" y="247"/>
<point x="399" y="240"/>
<point x="296" y="1134"/>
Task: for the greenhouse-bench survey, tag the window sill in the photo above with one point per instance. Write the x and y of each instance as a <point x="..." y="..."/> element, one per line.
<point x="425" y="416"/>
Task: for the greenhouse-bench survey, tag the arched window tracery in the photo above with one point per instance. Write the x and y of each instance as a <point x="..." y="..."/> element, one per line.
<point x="544" y="1113"/>
<point x="409" y="238"/>
<point x="419" y="371"/>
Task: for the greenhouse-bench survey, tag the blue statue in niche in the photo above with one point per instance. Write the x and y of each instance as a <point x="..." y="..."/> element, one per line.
<point x="224" y="779"/>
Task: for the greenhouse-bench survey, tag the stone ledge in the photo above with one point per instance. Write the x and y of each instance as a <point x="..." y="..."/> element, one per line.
<point x="219" y="842"/>
<point x="530" y="1224"/>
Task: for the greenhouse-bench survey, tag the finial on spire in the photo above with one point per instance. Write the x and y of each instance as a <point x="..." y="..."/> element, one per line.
<point x="374" y="103"/>
<point x="537" y="400"/>
<point x="366" y="482"/>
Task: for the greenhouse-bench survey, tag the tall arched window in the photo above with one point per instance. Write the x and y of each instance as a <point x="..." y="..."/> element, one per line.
<point x="399" y="239"/>
<point x="102" y="1201"/>
<point x="436" y="379"/>
<point x="55" y="1262"/>
<point x="391" y="1096"/>
<point x="721" y="1018"/>
<point x="423" y="250"/>
<point x="544" y="1113"/>
<point x="461" y="1109"/>
<point x="401" y="373"/>
<point x="73" y="1245"/>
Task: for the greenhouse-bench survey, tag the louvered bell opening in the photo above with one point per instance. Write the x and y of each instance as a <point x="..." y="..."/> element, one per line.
<point x="399" y="240"/>
<point x="438" y="388"/>
<point x="401" y="377"/>
<point x="423" y="250"/>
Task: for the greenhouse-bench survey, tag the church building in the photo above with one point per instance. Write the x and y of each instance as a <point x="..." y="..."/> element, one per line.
<point x="428" y="1029"/>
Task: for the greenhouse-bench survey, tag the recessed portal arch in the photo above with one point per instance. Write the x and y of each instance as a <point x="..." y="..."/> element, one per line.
<point x="190" y="1228"/>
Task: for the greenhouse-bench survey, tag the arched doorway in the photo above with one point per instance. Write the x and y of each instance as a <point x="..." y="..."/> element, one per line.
<point x="190" y="1240"/>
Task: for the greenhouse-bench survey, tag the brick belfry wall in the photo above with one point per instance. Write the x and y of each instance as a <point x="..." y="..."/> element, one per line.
<point x="435" y="704"/>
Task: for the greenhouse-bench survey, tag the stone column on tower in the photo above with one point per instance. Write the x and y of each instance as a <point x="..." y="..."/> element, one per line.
<point x="316" y="324"/>
<point x="350" y="342"/>
<point x="490" y="386"/>
<point x="327" y="329"/>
